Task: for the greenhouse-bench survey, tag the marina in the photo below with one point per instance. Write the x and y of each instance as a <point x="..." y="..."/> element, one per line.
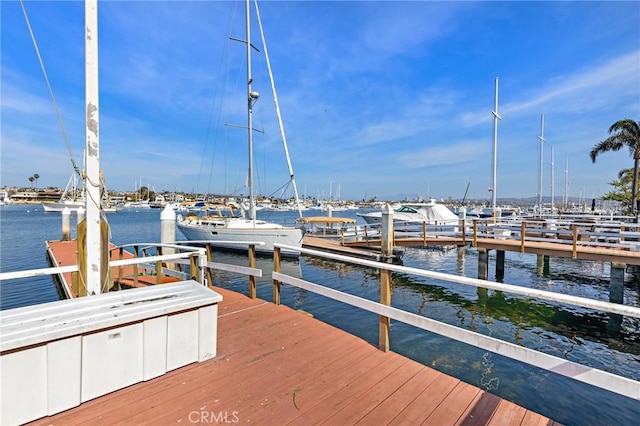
<point x="406" y="314"/>
<point x="445" y="301"/>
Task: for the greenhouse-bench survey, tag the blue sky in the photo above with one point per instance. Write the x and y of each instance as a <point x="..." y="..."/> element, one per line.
<point x="385" y="99"/>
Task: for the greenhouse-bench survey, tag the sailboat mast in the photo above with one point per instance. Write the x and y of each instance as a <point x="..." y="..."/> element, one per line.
<point x="92" y="160"/>
<point x="552" y="181"/>
<point x="251" y="98"/>
<point x="541" y="138"/>
<point x="494" y="163"/>
<point x="566" y="184"/>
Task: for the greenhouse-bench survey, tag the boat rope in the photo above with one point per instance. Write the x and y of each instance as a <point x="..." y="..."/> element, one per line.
<point x="275" y="100"/>
<point x="53" y="98"/>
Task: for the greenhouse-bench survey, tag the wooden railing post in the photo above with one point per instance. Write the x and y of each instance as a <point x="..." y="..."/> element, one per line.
<point x="523" y="233"/>
<point x="574" y="229"/>
<point x="193" y="266"/>
<point x="252" y="278"/>
<point x="385" y="299"/>
<point x="135" y="267"/>
<point x="209" y="259"/>
<point x="121" y="268"/>
<point x="276" y="268"/>
<point x="159" y="267"/>
<point x="424" y="233"/>
<point x="75" y="285"/>
<point x="475" y="232"/>
<point x="82" y="259"/>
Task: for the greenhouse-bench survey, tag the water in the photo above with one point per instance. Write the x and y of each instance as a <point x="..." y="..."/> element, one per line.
<point x="608" y="342"/>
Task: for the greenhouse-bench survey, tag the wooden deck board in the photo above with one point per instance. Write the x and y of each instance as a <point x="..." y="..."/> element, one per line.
<point x="355" y="411"/>
<point x="453" y="408"/>
<point x="426" y="402"/>
<point x="279" y="366"/>
<point x="386" y="411"/>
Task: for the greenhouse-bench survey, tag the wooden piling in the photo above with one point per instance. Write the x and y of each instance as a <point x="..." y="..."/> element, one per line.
<point x="500" y="265"/>
<point x="483" y="264"/>
<point x="616" y="286"/>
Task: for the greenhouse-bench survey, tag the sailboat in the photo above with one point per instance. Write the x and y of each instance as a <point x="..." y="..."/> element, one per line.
<point x="73" y="199"/>
<point x="235" y="232"/>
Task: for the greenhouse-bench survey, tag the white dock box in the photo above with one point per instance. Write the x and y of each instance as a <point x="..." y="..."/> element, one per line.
<point x="54" y="356"/>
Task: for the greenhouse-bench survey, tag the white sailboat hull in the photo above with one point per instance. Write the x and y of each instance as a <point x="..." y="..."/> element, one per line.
<point x="53" y="207"/>
<point x="59" y="207"/>
<point x="236" y="233"/>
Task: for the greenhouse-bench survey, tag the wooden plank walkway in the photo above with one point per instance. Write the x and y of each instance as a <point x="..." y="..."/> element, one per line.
<point x="548" y="248"/>
<point x="276" y="365"/>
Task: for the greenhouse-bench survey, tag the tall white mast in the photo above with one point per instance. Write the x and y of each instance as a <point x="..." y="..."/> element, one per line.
<point x="541" y="138"/>
<point x="92" y="158"/>
<point x="251" y="98"/>
<point x="552" y="181"/>
<point x="280" y="124"/>
<point x="566" y="184"/>
<point x="494" y="161"/>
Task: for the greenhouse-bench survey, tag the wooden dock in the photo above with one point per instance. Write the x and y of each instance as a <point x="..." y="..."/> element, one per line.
<point x="547" y="248"/>
<point x="276" y="365"/>
<point x="365" y="251"/>
<point x="65" y="253"/>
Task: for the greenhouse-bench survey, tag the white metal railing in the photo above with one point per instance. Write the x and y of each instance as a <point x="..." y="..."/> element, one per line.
<point x="589" y="375"/>
<point x="188" y="251"/>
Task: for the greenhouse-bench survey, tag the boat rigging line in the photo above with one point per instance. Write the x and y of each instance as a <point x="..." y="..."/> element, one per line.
<point x="53" y="98"/>
<point x="280" y="124"/>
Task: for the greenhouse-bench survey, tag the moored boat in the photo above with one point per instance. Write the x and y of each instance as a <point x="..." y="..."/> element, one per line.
<point x="431" y="213"/>
<point x="235" y="232"/>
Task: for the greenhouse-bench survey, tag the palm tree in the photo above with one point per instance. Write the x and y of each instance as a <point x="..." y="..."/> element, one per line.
<point x="31" y="179"/>
<point x="623" y="133"/>
<point x="36" y="177"/>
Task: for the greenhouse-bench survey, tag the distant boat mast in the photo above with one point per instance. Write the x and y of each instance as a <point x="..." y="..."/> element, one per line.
<point x="552" y="181"/>
<point x="566" y="184"/>
<point x="541" y="138"/>
<point x="494" y="160"/>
